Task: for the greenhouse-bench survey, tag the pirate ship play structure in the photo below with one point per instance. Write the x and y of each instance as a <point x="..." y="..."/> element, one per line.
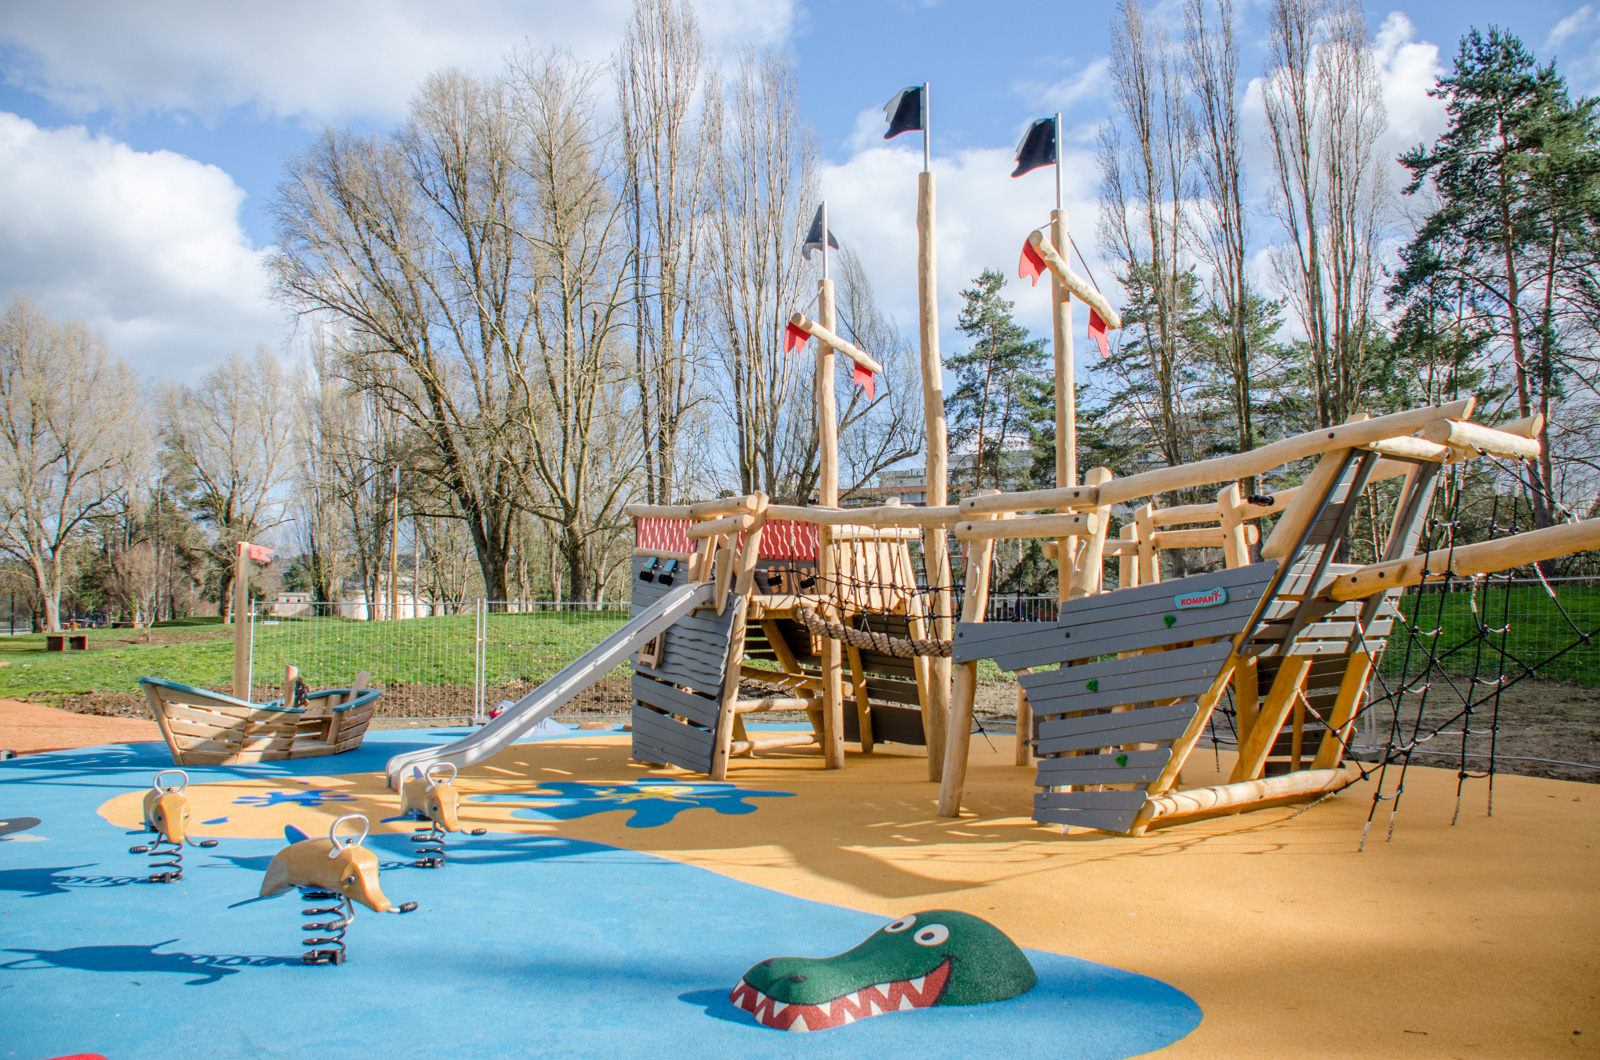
<point x="827" y="606"/>
<point x="203" y="727"/>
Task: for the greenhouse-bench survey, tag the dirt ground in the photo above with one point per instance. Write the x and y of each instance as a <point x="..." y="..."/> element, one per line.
<point x="1538" y="720"/>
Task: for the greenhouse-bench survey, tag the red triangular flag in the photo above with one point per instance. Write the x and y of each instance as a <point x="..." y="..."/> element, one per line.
<point x="259" y="553"/>
<point x="863" y="379"/>
<point x="1030" y="266"/>
<point x="1097" y="332"/>
<point x="794" y="338"/>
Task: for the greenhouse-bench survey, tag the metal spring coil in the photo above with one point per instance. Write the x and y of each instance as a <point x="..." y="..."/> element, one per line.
<point x="328" y="947"/>
<point x="166" y="859"/>
<point x="429" y="847"/>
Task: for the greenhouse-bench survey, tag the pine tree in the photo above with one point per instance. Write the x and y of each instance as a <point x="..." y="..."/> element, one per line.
<point x="997" y="382"/>
<point x="1515" y="178"/>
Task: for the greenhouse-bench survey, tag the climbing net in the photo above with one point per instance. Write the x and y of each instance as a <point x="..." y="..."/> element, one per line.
<point x="1452" y="657"/>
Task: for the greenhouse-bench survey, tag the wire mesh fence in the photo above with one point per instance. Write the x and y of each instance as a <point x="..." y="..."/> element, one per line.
<point x="443" y="660"/>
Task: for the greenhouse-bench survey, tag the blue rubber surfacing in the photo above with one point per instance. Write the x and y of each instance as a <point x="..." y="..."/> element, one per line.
<point x="522" y="945"/>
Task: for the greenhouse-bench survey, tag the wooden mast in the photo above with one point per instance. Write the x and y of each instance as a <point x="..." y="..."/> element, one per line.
<point x="936" y="555"/>
<point x="828" y="497"/>
<point x="1066" y="388"/>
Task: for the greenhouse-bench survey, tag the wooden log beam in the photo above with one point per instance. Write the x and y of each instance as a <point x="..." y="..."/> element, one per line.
<point x="1204" y="537"/>
<point x="1464" y="435"/>
<point x="1081" y="524"/>
<point x="1296" y="447"/>
<point x="1466" y="560"/>
<point x="1222" y="799"/>
<point x="889" y="516"/>
<point x="712" y="509"/>
<point x="825" y="335"/>
<point x="1065" y="498"/>
<point x="1411" y="448"/>
<point x="733" y="524"/>
<point x="661" y="553"/>
<point x="1072" y="281"/>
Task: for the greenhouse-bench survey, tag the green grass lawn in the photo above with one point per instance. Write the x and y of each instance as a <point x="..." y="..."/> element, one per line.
<point x="1538" y="631"/>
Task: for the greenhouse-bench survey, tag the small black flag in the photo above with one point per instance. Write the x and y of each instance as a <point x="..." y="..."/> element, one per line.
<point x="904" y="112"/>
<point x="814" y="237"/>
<point x="1038" y="147"/>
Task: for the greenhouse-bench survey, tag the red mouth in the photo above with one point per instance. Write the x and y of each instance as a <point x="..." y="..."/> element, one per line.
<point x="897" y="996"/>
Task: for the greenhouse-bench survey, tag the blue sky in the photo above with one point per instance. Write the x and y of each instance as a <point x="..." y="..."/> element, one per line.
<point x="138" y="151"/>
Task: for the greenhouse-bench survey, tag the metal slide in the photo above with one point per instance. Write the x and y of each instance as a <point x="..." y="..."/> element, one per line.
<point x="542" y="702"/>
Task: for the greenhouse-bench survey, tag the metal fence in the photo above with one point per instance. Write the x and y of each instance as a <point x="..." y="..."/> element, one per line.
<point x="462" y="659"/>
<point x="435" y="660"/>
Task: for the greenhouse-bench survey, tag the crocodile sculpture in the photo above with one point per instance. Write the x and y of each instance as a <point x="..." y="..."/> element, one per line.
<point x="935" y="957"/>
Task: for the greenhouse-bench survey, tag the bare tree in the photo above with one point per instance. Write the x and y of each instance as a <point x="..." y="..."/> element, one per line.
<point x="662" y="75"/>
<point x="226" y="445"/>
<point x="1325" y="118"/>
<point x="765" y="182"/>
<point x="873" y="434"/>
<point x="69" y="432"/>
<point x="1146" y="161"/>
<point x="1218" y="218"/>
<point x="413" y="244"/>
<point x="570" y="381"/>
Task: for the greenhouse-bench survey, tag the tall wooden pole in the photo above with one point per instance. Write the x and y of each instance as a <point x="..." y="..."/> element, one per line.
<point x="828" y="491"/>
<point x="936" y="554"/>
<point x="241" y="623"/>
<point x="1066" y="398"/>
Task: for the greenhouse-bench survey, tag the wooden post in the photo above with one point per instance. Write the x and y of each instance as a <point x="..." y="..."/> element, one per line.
<point x="958" y="737"/>
<point x="1088" y="572"/>
<point x="743" y="584"/>
<point x="1285" y="692"/>
<point x="828" y="490"/>
<point x="936" y="554"/>
<point x="241" y="624"/>
<point x="1066" y="398"/>
<point x="1345" y="707"/>
<point x="1024" y="723"/>
<point x="1149" y="558"/>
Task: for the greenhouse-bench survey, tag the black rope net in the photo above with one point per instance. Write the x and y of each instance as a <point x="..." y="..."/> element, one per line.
<point x="1452" y="656"/>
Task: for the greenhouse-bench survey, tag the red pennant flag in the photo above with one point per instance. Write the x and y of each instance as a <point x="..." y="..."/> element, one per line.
<point x="1030" y="266"/>
<point x="259" y="553"/>
<point x="794" y="338"/>
<point x="1097" y="332"/>
<point x="863" y="379"/>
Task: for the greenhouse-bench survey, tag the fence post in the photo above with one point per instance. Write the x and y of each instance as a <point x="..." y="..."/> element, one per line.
<point x="480" y="634"/>
<point x="250" y="667"/>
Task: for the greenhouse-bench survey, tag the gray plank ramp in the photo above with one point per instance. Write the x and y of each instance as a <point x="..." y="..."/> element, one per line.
<point x="677" y="702"/>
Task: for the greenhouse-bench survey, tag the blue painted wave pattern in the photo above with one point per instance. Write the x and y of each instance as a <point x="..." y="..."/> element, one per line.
<point x="534" y="945"/>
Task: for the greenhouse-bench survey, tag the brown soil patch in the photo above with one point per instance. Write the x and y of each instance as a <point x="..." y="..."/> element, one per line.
<point x="28" y="728"/>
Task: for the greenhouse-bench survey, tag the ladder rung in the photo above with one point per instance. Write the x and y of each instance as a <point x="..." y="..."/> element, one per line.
<point x="744" y="706"/>
<point x="771" y="743"/>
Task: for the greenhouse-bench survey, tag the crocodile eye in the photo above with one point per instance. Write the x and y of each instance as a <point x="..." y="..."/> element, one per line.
<point x="900" y="925"/>
<point x="932" y="935"/>
<point x="349" y="881"/>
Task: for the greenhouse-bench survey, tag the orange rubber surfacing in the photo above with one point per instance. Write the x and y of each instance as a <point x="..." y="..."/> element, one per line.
<point x="1475" y="941"/>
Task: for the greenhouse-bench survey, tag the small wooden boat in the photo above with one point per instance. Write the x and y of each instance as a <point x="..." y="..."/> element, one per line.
<point x="205" y="728"/>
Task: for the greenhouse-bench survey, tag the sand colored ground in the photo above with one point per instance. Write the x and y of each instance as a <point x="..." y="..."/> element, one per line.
<point x="28" y="728"/>
<point x="1477" y="940"/>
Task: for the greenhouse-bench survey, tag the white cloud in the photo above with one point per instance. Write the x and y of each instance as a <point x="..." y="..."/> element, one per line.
<point x="145" y="246"/>
<point x="1090" y="83"/>
<point x="1407" y="70"/>
<point x="1580" y="60"/>
<point x="304" y="58"/>
<point x="983" y="217"/>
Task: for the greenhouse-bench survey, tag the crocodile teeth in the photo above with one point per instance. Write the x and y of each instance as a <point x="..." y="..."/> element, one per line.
<point x="877" y="1009"/>
<point x="799" y="1023"/>
<point x="905" y="1003"/>
<point x="848" y="1019"/>
<point x="918" y="983"/>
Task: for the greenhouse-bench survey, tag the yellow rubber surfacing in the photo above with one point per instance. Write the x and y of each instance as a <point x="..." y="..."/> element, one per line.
<point x="1473" y="941"/>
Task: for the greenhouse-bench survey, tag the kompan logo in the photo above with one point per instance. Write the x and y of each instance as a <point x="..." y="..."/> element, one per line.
<point x="1208" y="598"/>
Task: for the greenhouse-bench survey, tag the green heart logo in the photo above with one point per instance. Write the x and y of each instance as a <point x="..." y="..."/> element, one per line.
<point x="1169" y="620"/>
<point x="1093" y="686"/>
<point x="1122" y="760"/>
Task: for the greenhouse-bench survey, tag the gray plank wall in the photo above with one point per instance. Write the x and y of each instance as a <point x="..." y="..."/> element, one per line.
<point x="676" y="701"/>
<point x="1089" y="717"/>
